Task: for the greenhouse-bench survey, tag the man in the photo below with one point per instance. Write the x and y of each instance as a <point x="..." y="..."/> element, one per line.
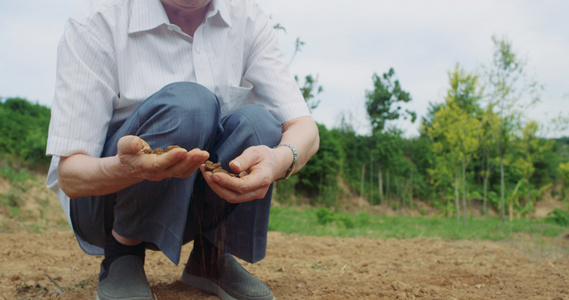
<point x="205" y="75"/>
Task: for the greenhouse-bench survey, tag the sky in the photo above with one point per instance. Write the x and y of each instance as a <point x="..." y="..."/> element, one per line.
<point x="346" y="42"/>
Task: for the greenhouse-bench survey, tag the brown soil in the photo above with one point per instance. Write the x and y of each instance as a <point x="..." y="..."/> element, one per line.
<point x="216" y="168"/>
<point x="209" y="165"/>
<point x="160" y="151"/>
<point x="51" y="266"/>
<point x="48" y="264"/>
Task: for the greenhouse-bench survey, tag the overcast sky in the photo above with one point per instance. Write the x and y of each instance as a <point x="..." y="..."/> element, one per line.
<point x="346" y="43"/>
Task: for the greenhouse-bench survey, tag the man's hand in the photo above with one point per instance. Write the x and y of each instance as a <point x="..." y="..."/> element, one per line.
<point x="177" y="162"/>
<point x="257" y="167"/>
<point x="81" y="175"/>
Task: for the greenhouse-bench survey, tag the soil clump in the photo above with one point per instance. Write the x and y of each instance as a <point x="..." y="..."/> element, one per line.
<point x="216" y="168"/>
<point x="209" y="165"/>
<point x="160" y="151"/>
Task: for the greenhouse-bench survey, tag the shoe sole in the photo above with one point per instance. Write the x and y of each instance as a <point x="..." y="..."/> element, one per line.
<point x="208" y="286"/>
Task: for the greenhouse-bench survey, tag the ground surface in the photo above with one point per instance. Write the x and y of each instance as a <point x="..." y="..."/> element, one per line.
<point x="51" y="266"/>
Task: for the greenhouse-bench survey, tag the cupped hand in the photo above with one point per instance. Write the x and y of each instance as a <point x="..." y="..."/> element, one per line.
<point x="257" y="167"/>
<point x="178" y="162"/>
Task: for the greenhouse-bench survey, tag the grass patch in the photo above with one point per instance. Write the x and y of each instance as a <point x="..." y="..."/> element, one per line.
<point x="20" y="180"/>
<point x="25" y="202"/>
<point x="323" y="222"/>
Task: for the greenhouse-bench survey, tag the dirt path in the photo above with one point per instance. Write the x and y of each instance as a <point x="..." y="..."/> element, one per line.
<point x="51" y="266"/>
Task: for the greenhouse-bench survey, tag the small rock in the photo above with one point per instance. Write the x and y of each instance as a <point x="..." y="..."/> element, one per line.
<point x="399" y="286"/>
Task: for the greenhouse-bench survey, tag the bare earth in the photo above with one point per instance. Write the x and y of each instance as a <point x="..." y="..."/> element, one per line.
<point x="52" y="266"/>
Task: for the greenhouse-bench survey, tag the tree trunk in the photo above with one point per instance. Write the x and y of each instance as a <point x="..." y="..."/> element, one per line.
<point x="387" y="194"/>
<point x="485" y="193"/>
<point x="370" y="181"/>
<point x="456" y="198"/>
<point x="486" y="175"/>
<point x="528" y="199"/>
<point x="502" y="202"/>
<point x="464" y="191"/>
<point x="404" y="191"/>
<point x="411" y="186"/>
<point x="511" y="210"/>
<point x="380" y="181"/>
<point x="362" y="182"/>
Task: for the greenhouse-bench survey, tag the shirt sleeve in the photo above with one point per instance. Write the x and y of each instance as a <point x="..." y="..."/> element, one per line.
<point x="265" y="68"/>
<point x="86" y="86"/>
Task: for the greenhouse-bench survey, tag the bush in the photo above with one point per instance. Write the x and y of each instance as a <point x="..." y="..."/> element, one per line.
<point x="325" y="216"/>
<point x="24" y="127"/>
<point x="559" y="217"/>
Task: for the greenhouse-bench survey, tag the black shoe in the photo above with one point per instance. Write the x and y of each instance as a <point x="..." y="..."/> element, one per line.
<point x="225" y="278"/>
<point x="125" y="279"/>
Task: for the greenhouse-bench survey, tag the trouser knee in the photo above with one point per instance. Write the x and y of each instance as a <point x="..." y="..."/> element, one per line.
<point x="182" y="113"/>
<point x="257" y="121"/>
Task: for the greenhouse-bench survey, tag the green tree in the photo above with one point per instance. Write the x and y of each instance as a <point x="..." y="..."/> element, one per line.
<point x="488" y="126"/>
<point x="455" y="128"/>
<point x="531" y="149"/>
<point x="319" y="178"/>
<point x="511" y="91"/>
<point x="383" y="104"/>
<point x="427" y="121"/>
<point x="23" y="128"/>
<point x="310" y="89"/>
<point x="564" y="171"/>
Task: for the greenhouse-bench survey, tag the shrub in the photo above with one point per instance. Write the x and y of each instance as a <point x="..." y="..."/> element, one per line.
<point x="325" y="216"/>
<point x="559" y="217"/>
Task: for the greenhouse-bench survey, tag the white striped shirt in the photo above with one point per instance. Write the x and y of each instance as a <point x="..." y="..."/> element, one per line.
<point x="116" y="53"/>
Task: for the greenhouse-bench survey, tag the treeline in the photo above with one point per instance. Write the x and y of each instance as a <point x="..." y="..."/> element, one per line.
<point x="23" y="130"/>
<point x="476" y="149"/>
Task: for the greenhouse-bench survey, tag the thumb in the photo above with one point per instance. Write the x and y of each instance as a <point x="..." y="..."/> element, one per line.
<point x="243" y="162"/>
<point x="131" y="144"/>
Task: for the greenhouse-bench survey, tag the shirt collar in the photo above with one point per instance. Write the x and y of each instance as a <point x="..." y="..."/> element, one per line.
<point x="149" y="14"/>
<point x="146" y="15"/>
<point x="219" y="7"/>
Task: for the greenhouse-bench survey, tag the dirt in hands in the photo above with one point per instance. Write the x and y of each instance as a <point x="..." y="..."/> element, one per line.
<point x="209" y="165"/>
<point x="160" y="151"/>
<point x="216" y="168"/>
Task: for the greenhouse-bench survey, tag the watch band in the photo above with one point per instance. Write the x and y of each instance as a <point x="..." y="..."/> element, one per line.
<point x="294" y="161"/>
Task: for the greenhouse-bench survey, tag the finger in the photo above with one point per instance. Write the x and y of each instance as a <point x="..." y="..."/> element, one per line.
<point x="131" y="144"/>
<point x="244" y="161"/>
<point x="230" y="195"/>
<point x="251" y="182"/>
<point x="191" y="162"/>
<point x="159" y="163"/>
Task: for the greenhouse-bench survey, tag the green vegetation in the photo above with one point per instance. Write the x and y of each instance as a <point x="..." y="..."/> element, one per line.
<point x="11" y="201"/>
<point x="478" y="146"/>
<point x="23" y="128"/>
<point x="323" y="222"/>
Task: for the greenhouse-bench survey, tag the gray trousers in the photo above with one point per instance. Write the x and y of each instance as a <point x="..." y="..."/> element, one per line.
<point x="171" y="212"/>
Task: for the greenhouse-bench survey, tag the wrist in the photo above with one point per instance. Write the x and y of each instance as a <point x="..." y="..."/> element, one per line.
<point x="112" y="169"/>
<point x="290" y="162"/>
